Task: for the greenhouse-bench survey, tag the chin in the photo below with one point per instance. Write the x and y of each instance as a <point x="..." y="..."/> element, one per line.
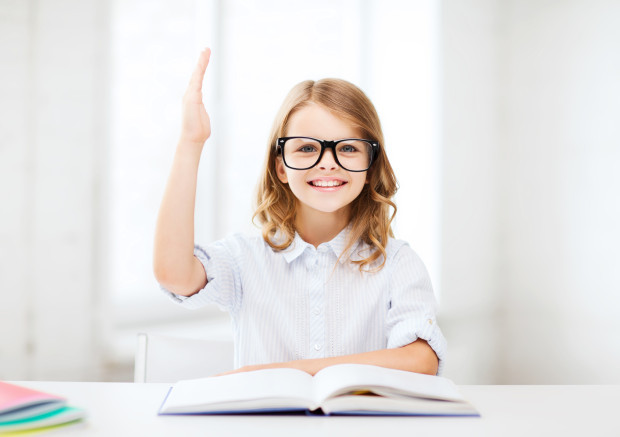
<point x="328" y="209"/>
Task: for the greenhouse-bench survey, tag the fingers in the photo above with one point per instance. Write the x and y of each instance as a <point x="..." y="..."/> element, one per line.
<point x="195" y="83"/>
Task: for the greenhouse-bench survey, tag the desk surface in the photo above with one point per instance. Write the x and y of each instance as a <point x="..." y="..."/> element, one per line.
<point x="127" y="409"/>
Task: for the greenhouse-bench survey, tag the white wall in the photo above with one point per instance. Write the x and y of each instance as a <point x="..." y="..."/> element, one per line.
<point x="531" y="191"/>
<point x="469" y="217"/>
<point x="53" y="109"/>
<point x="561" y="192"/>
<point x="16" y="187"/>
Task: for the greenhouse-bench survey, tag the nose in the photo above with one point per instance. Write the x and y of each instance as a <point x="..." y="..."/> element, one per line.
<point x="328" y="162"/>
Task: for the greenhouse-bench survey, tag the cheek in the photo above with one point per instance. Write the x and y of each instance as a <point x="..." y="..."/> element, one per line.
<point x="361" y="180"/>
<point x="296" y="182"/>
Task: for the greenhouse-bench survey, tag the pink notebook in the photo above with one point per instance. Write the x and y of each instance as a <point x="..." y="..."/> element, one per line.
<point x="17" y="401"/>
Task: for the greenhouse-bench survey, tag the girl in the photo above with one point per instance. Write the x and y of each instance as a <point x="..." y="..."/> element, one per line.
<point x="325" y="283"/>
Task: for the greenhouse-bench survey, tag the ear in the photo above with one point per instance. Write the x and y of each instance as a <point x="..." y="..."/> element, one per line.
<point x="281" y="170"/>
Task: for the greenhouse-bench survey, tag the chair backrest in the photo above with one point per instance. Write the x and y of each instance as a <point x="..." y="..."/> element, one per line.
<point x="161" y="358"/>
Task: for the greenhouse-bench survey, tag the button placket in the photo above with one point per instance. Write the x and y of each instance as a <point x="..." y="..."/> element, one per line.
<point x="317" y="322"/>
<point x="312" y="261"/>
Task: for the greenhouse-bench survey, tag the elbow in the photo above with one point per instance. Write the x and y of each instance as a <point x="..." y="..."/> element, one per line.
<point x="430" y="366"/>
<point x="160" y="268"/>
<point x="422" y="358"/>
<point x="161" y="271"/>
<point x="164" y="278"/>
<point x="161" y="276"/>
<point x="171" y="280"/>
<point x="429" y="363"/>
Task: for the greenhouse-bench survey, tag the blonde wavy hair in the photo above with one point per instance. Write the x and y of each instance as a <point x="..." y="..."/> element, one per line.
<point x="372" y="211"/>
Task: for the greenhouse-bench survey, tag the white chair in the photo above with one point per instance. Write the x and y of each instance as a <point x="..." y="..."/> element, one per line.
<point x="161" y="358"/>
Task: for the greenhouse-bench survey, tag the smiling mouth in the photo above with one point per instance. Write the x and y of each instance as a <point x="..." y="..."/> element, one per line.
<point x="326" y="184"/>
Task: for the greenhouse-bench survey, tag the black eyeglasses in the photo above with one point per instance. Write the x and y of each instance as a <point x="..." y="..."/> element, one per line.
<point x="303" y="153"/>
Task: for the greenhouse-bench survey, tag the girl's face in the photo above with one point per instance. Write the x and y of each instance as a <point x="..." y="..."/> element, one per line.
<point x="316" y="121"/>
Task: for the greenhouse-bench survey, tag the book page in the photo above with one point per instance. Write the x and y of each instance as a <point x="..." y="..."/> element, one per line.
<point x="380" y="405"/>
<point x="343" y="378"/>
<point x="206" y="394"/>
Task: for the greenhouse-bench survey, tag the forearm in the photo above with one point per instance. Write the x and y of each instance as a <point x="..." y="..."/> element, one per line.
<point x="174" y="263"/>
<point x="416" y="357"/>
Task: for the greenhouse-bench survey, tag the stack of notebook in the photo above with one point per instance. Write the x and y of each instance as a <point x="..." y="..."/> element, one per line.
<point x="23" y="409"/>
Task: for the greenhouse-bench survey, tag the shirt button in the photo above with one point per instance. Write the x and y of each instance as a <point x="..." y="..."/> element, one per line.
<point x="317" y="347"/>
<point x="317" y="311"/>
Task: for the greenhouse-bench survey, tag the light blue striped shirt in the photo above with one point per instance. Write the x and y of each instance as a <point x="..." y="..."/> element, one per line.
<point x="298" y="304"/>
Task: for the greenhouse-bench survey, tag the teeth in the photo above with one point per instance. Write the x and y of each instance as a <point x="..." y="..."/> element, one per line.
<point x="326" y="183"/>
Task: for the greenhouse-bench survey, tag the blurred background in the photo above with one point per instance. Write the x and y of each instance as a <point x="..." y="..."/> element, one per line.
<point x="500" y="118"/>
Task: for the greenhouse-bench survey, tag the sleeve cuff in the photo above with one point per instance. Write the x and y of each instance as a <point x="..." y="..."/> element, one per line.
<point x="201" y="298"/>
<point x="408" y="331"/>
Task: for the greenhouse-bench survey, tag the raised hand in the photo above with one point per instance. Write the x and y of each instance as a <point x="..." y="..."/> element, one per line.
<point x="174" y="263"/>
<point x="196" y="126"/>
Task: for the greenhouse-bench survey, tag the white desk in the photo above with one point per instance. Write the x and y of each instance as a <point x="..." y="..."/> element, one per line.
<point x="127" y="409"/>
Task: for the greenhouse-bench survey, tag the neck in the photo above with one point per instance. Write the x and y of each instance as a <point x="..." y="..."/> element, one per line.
<point x="317" y="227"/>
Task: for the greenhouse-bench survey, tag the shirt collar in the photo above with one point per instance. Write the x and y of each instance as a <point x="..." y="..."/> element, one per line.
<point x="296" y="248"/>
<point x="336" y="245"/>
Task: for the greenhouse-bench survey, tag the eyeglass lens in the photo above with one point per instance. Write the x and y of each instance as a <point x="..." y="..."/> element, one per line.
<point x="302" y="153"/>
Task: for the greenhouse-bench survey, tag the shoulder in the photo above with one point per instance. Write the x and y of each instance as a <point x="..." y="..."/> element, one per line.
<point x="243" y="244"/>
<point x="397" y="248"/>
<point x="242" y="241"/>
<point x="400" y="253"/>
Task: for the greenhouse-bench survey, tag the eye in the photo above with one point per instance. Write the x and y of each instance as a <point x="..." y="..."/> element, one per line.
<point x="347" y="148"/>
<point x="307" y="148"/>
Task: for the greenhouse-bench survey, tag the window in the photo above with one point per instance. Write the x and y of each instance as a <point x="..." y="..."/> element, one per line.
<point x="260" y="50"/>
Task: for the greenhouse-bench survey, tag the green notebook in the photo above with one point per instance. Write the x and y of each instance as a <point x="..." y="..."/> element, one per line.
<point x="23" y="409"/>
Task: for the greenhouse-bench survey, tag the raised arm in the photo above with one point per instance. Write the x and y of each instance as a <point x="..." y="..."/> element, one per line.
<point x="174" y="264"/>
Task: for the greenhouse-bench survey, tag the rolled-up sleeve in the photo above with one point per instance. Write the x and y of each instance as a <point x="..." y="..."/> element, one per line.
<point x="223" y="278"/>
<point x="412" y="307"/>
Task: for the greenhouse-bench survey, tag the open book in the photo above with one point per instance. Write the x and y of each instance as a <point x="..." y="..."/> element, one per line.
<point x="339" y="389"/>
